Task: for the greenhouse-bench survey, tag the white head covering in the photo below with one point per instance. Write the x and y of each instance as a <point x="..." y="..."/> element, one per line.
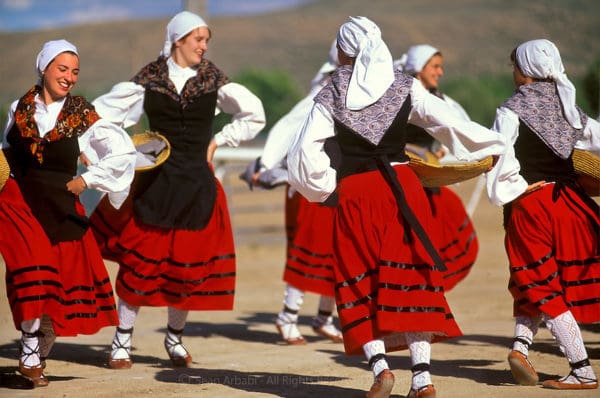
<point x="179" y="26"/>
<point x="328" y="67"/>
<point x="416" y="58"/>
<point x="540" y="59"/>
<point x="373" y="71"/>
<point x="49" y="51"/>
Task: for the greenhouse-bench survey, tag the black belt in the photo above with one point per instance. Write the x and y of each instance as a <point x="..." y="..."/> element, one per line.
<point x="406" y="212"/>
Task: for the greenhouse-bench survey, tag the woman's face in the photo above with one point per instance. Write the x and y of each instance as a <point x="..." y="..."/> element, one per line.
<point x="60" y="77"/>
<point x="190" y="50"/>
<point x="431" y="72"/>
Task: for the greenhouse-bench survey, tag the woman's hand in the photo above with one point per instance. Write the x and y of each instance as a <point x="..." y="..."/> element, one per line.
<point x="535" y="186"/>
<point x="210" y="152"/>
<point x="76" y="186"/>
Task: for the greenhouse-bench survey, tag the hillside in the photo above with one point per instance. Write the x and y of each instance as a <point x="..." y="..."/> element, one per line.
<point x="476" y="38"/>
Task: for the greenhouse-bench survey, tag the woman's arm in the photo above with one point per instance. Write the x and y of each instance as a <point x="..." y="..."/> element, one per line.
<point x="123" y="105"/>
<point x="248" y="115"/>
<point x="111" y="154"/>
<point x="309" y="167"/>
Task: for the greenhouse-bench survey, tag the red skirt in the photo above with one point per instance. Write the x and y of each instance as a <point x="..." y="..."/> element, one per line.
<point x="554" y="255"/>
<point x="309" y="264"/>
<point x="458" y="246"/>
<point x="67" y="281"/>
<point x="386" y="284"/>
<point x="188" y="270"/>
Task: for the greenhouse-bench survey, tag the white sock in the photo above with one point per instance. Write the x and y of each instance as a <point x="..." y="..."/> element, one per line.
<point x="121" y="345"/>
<point x="30" y="345"/>
<point x="174" y="345"/>
<point x="420" y="354"/>
<point x="373" y="348"/>
<point x="293" y="298"/>
<point x="30" y="350"/>
<point x="525" y="329"/>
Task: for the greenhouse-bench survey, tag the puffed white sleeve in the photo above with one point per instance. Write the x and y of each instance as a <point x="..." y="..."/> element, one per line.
<point x="112" y="155"/>
<point x="123" y="105"/>
<point x="504" y="183"/>
<point x="248" y="115"/>
<point x="465" y="139"/>
<point x="309" y="167"/>
<point x="591" y="137"/>
<point x="283" y="132"/>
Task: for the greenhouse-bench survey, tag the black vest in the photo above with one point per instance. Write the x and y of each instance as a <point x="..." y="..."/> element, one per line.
<point x="538" y="162"/>
<point x="44" y="185"/>
<point x="181" y="193"/>
<point x="357" y="155"/>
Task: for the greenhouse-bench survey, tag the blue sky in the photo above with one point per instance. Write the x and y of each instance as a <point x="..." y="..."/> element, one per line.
<point x="26" y="15"/>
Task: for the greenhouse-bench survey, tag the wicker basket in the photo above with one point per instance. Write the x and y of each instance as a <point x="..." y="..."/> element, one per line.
<point x="146" y="137"/>
<point x="587" y="165"/>
<point x="4" y="169"/>
<point x="435" y="174"/>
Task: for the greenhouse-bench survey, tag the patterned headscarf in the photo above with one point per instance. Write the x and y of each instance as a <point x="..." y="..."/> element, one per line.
<point x="540" y="59"/>
<point x="179" y="26"/>
<point x="373" y="71"/>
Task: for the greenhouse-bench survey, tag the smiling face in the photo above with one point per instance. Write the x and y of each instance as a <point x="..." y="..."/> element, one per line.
<point x="189" y="50"/>
<point x="60" y="77"/>
<point x="431" y="72"/>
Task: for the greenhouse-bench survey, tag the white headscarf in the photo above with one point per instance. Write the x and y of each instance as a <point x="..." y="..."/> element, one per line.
<point x="49" y="51"/>
<point x="540" y="59"/>
<point x="373" y="71"/>
<point x="416" y="58"/>
<point x="328" y="67"/>
<point x="179" y="26"/>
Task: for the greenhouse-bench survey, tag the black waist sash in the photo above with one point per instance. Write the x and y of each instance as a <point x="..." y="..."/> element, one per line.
<point x="390" y="176"/>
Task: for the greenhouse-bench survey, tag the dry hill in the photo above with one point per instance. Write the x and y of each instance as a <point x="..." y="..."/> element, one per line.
<point x="475" y="37"/>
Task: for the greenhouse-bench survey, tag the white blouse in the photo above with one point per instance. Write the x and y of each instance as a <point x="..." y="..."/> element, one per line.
<point x="309" y="167"/>
<point x="124" y="106"/>
<point x="283" y="132"/>
<point x="108" y="148"/>
<point x="504" y="183"/>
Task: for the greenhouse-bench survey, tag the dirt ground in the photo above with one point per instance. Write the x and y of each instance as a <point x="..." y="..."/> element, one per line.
<point x="238" y="353"/>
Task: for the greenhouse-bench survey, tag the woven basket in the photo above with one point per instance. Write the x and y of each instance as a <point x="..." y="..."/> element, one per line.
<point x="147" y="136"/>
<point x="587" y="165"/>
<point x="4" y="169"/>
<point x="434" y="174"/>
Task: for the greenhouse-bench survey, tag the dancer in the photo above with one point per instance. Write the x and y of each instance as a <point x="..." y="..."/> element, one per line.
<point x="176" y="246"/>
<point x="309" y="226"/>
<point x="56" y="281"/>
<point x="551" y="224"/>
<point x="388" y="282"/>
<point x="459" y="245"/>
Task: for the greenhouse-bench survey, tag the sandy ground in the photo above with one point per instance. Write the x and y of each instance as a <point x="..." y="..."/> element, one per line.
<point x="238" y="353"/>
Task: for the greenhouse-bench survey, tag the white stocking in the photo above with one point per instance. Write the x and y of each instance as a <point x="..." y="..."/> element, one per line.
<point x="420" y="354"/>
<point x="177" y="318"/>
<point x="293" y="298"/>
<point x="376" y="348"/>
<point x="565" y="330"/>
<point x="525" y="329"/>
<point x="127" y="315"/>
